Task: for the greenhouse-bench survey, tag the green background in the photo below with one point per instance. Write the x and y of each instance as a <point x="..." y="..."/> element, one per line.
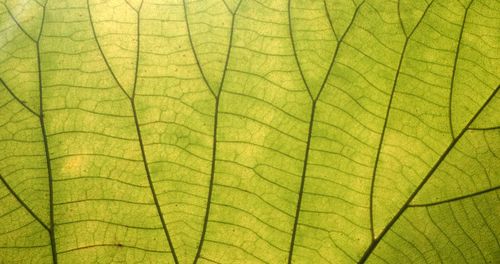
<point x="213" y="131"/>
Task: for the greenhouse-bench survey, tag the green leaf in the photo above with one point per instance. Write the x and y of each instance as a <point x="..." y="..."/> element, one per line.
<point x="162" y="131"/>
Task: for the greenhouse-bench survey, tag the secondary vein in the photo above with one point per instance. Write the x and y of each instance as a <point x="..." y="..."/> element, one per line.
<point x="452" y="84"/>
<point x="38" y="219"/>
<point x="314" y="101"/>
<point x="18" y="99"/>
<point x="136" y="119"/>
<point x="41" y="119"/>
<point x="45" y="143"/>
<point x="387" y="116"/>
<point x="456" y="198"/>
<point x="216" y="117"/>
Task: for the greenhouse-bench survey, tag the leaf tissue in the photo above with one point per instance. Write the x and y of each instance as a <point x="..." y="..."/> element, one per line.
<point x="249" y="131"/>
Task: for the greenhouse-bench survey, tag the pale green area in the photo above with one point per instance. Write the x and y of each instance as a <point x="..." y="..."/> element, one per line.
<point x="318" y="132"/>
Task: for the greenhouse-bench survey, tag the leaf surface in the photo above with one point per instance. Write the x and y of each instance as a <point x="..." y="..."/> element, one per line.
<point x="162" y="131"/>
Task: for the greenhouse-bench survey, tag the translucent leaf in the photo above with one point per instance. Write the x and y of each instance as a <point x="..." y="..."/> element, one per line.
<point x="246" y="131"/>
